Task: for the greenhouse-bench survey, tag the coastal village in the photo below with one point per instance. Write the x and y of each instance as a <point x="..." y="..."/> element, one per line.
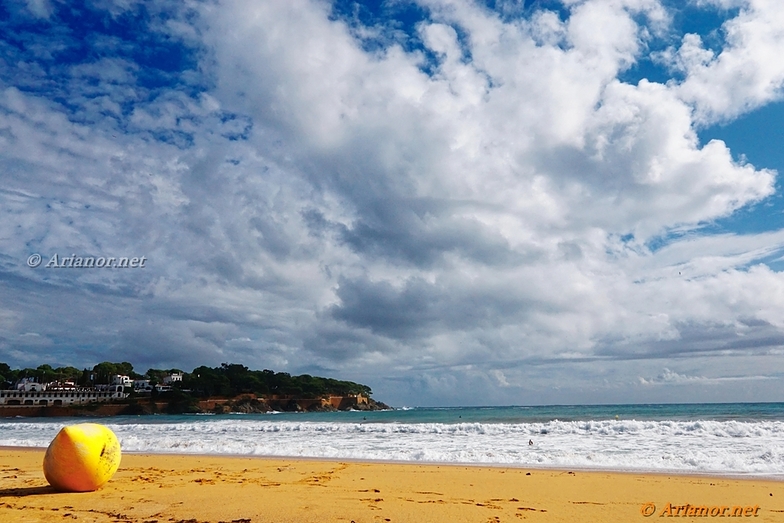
<point x="28" y="392"/>
<point x="229" y="388"/>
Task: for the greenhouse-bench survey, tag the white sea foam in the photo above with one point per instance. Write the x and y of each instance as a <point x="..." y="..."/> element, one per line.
<point x="724" y="447"/>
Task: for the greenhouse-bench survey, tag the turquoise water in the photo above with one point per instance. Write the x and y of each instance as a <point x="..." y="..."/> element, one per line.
<point x="538" y="414"/>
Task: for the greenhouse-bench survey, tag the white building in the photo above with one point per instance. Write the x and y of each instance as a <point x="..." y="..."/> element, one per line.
<point x="59" y="397"/>
<point x="29" y="385"/>
<point x="61" y="385"/>
<point x="142" y="385"/>
<point x="172" y="378"/>
<point x="119" y="379"/>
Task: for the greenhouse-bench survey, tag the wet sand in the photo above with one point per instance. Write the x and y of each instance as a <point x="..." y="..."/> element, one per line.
<point x="211" y="489"/>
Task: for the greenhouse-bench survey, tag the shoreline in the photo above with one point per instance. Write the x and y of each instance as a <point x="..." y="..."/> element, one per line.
<point x="254" y="489"/>
<point x="750" y="476"/>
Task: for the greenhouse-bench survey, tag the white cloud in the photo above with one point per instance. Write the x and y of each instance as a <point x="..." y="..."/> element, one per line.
<point x="669" y="377"/>
<point x="40" y="8"/>
<point x="535" y="143"/>
<point x="371" y="212"/>
<point x="501" y="378"/>
<point x="746" y="74"/>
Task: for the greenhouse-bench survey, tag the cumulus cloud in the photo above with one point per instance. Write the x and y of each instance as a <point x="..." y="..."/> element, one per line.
<point x="745" y="74"/>
<point x="481" y="200"/>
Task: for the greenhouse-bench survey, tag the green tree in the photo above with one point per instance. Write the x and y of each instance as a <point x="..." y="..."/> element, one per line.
<point x="45" y="373"/>
<point x="67" y="374"/>
<point x="104" y="371"/>
<point x="205" y="381"/>
<point x="124" y="368"/>
<point x="7" y="376"/>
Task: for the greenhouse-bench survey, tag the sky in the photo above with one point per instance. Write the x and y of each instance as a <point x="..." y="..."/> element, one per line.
<point x="455" y="202"/>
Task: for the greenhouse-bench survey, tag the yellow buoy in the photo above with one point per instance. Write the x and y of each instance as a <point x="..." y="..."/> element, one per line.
<point x="82" y="457"/>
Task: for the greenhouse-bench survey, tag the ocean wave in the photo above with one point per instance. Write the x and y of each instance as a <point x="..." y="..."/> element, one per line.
<point x="724" y="447"/>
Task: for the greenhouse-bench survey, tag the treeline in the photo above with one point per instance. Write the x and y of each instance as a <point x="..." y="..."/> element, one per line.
<point x="234" y="379"/>
<point x="230" y="379"/>
<point x="100" y="374"/>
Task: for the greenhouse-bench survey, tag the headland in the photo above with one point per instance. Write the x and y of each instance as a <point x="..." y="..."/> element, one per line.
<point x="115" y="389"/>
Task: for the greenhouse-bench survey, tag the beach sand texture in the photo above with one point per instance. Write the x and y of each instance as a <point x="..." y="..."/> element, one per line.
<point x="200" y="489"/>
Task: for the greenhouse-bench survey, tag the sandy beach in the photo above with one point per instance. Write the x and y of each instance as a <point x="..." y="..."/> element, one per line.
<point x="201" y="489"/>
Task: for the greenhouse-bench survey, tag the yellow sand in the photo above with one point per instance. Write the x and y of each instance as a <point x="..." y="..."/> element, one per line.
<point x="199" y="489"/>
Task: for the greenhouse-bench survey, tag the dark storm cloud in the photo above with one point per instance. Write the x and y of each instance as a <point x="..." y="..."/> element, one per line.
<point x="420" y="308"/>
<point x="396" y="232"/>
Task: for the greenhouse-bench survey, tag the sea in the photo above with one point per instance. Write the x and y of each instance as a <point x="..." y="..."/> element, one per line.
<point x="732" y="439"/>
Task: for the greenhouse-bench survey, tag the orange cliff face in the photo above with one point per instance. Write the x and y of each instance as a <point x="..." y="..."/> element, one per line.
<point x="347" y="402"/>
<point x="287" y="403"/>
<point x="248" y="403"/>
